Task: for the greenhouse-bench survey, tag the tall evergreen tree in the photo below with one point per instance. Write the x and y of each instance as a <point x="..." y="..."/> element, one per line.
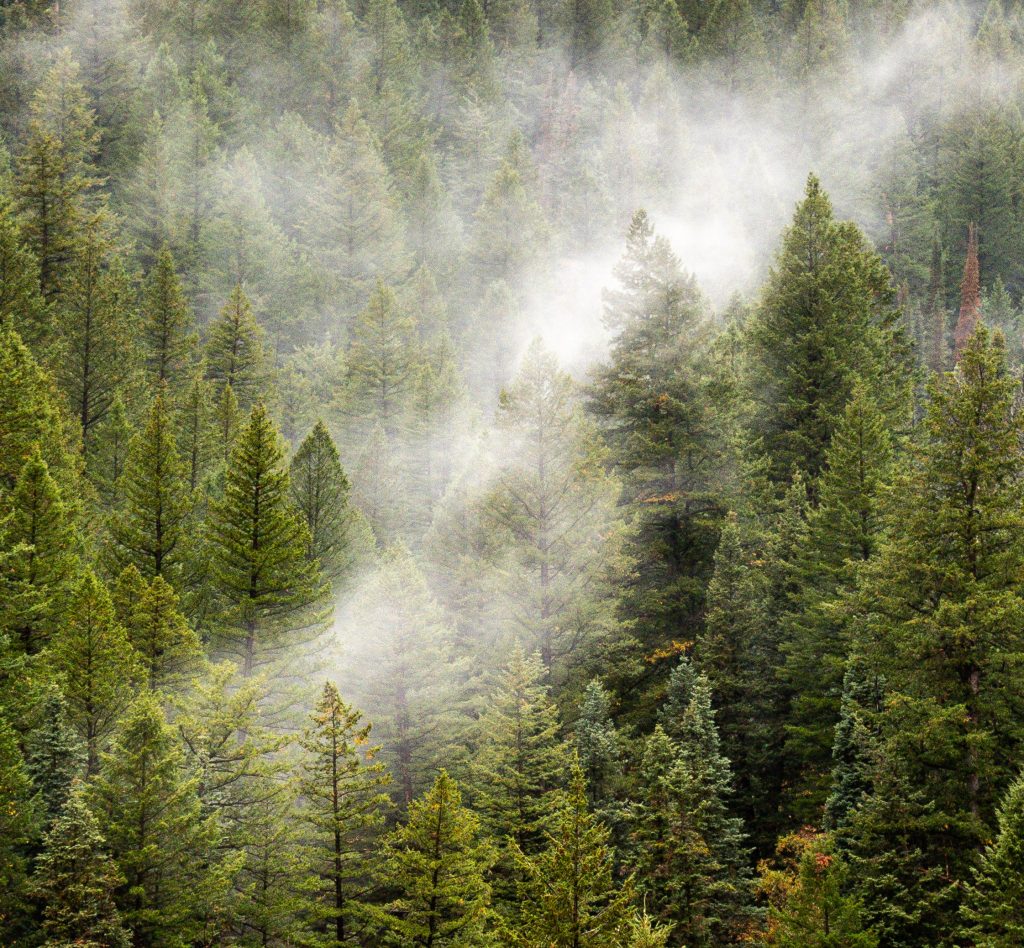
<point x="168" y="337"/>
<point x="234" y="350"/>
<point x="21" y="303"/>
<point x="257" y="542"/>
<point x="168" y="648"/>
<point x="436" y="864"/>
<point x="18" y="826"/>
<point x="54" y="757"/>
<point x="341" y="785"/>
<point x="827" y="317"/>
<point x="970" y="294"/>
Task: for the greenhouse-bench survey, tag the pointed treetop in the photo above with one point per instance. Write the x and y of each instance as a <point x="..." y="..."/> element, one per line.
<point x="970" y="293"/>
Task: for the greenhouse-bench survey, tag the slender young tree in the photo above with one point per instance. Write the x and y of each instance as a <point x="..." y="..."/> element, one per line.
<point x="168" y="333"/>
<point x="437" y="863"/>
<point x="234" y="350"/>
<point x="341" y="785"/>
<point x="55" y="755"/>
<point x="167" y="646"/>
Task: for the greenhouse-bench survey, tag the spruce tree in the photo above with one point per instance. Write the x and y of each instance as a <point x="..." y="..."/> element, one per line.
<point x="149" y="813"/>
<point x="436" y="863"/>
<point x="257" y="540"/>
<point x="150" y="530"/>
<point x="110" y="454"/>
<point x="341" y="785"/>
<point x="598" y="746"/>
<point x="827" y="317"/>
<point x="195" y="430"/>
<point x="21" y="304"/>
<point x="569" y="896"/>
<point x="75" y="880"/>
<point x="18" y="826"/>
<point x="234" y="350"/>
<point x="54" y="756"/>
<point x="168" y="337"/>
<point x="993" y="908"/>
<point x="95" y="664"/>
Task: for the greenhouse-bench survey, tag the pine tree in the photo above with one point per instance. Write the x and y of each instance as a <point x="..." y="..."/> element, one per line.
<point x="569" y="896"/>
<point x="149" y="531"/>
<point x="598" y="747"/>
<point x="195" y="430"/>
<point x="827" y="318"/>
<point x="95" y="664"/>
<point x="320" y="490"/>
<point x="234" y="351"/>
<point x="519" y="760"/>
<point x="41" y="531"/>
<point x="56" y="173"/>
<point x="149" y="813"/>
<point x="970" y="295"/>
<point x="992" y="914"/>
<point x="341" y="784"/>
<point x="437" y="864"/>
<point x="257" y="543"/>
<point x="167" y="647"/>
<point x="168" y="337"/>
<point x="95" y="322"/>
<point x="75" y="880"/>
<point x="110" y="454"/>
<point x="54" y="756"/>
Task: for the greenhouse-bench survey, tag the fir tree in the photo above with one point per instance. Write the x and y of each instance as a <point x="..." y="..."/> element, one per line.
<point x="75" y="880"/>
<point x="95" y="664"/>
<point x="18" y="826"/>
<point x="992" y="910"/>
<point x="167" y="647"/>
<point x="149" y="814"/>
<point x="258" y="543"/>
<point x="827" y="317"/>
<point x="234" y="350"/>
<point x="569" y="896"/>
<point x="110" y="454"/>
<point x="597" y="746"/>
<point x="436" y="864"/>
<point x="21" y="304"/>
<point x="195" y="430"/>
<point x="341" y="784"/>
<point x="54" y="756"/>
<point x="168" y="338"/>
<point x="149" y="532"/>
<point x="41" y="531"/>
<point x="320" y="490"/>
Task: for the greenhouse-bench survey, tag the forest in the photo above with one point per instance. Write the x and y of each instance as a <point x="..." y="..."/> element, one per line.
<point x="531" y="473"/>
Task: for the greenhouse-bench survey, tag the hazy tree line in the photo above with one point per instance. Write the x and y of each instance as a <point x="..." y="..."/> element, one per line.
<point x="334" y="610"/>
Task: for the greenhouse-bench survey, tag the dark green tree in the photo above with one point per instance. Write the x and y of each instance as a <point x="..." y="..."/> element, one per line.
<point x="168" y="333"/>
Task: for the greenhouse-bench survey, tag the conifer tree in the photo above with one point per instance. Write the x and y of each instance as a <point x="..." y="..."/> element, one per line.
<point x="436" y="863"/>
<point x="149" y="814"/>
<point x="569" y="896"/>
<point x="30" y="413"/>
<point x="320" y="490"/>
<point x="54" y="756"/>
<point x="992" y="910"/>
<point x="234" y="350"/>
<point x="943" y="621"/>
<point x="95" y="320"/>
<point x="415" y="690"/>
<point x="550" y="503"/>
<point x="167" y="647"/>
<point x="41" y="531"/>
<point x="75" y="880"/>
<point x="935" y="312"/>
<point x="843" y="532"/>
<point x="110" y="454"/>
<point x="168" y="337"/>
<point x="21" y="304"/>
<point x="195" y="430"/>
<point x="827" y="317"/>
<point x="18" y="825"/>
<point x="258" y="542"/>
<point x="520" y="758"/>
<point x="597" y="747"/>
<point x="149" y="531"/>
<point x="341" y="785"/>
<point x="227" y="421"/>
<point x="970" y="295"/>
<point x="55" y="170"/>
<point x="96" y="665"/>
